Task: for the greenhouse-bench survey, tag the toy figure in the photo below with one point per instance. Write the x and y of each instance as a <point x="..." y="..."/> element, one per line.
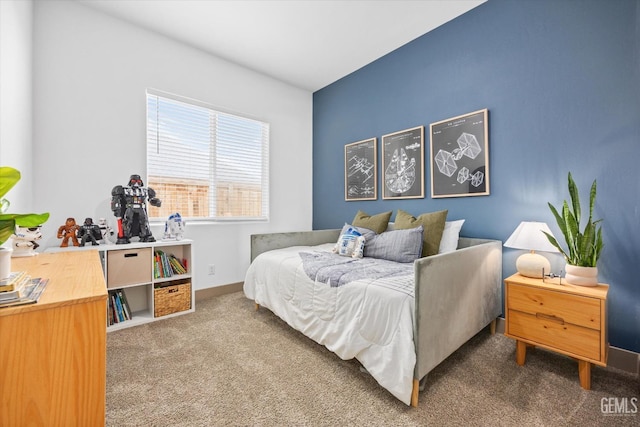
<point x="89" y="231"/>
<point x="24" y="241"/>
<point x="129" y="205"/>
<point x="174" y="227"/>
<point x="68" y="231"/>
<point x="106" y="232"/>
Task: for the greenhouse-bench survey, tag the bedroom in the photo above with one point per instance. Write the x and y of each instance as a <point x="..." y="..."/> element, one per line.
<point x="577" y="88"/>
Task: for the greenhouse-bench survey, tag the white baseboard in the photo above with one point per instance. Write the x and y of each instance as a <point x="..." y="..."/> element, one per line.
<point x="619" y="358"/>
<point x="217" y="291"/>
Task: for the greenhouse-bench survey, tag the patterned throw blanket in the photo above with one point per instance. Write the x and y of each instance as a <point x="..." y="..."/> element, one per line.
<point x="336" y="270"/>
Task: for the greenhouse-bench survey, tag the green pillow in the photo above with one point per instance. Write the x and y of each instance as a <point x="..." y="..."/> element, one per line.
<point x="433" y="224"/>
<point x="377" y="223"/>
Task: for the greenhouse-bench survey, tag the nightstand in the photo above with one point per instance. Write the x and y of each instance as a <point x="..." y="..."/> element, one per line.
<point x="568" y="319"/>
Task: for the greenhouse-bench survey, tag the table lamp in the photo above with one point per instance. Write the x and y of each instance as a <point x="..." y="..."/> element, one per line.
<point x="529" y="236"/>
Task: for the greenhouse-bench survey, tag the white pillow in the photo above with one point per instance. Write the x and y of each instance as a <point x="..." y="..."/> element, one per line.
<point x="450" y="235"/>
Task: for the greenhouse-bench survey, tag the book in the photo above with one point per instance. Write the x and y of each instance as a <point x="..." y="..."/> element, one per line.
<point x="112" y="307"/>
<point x="19" y="291"/>
<point x="167" y="267"/>
<point x="109" y="313"/>
<point x="33" y="292"/>
<point x="9" y="284"/>
<point x="125" y="304"/>
<point x="176" y="265"/>
<point x="119" y="308"/>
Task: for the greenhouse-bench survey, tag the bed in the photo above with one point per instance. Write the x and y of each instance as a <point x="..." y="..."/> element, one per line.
<point x="400" y="325"/>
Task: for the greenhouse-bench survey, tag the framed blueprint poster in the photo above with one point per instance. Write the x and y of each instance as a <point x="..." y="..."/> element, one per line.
<point x="360" y="170"/>
<point x="403" y="164"/>
<point x="460" y="156"/>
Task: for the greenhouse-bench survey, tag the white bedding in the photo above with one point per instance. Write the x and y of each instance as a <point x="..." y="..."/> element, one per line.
<point x="369" y="320"/>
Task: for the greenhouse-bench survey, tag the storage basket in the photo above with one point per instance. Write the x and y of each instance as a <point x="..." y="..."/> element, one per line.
<point x="128" y="267"/>
<point x="171" y="298"/>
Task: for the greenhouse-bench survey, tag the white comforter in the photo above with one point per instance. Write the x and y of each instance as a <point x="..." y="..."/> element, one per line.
<point x="369" y="320"/>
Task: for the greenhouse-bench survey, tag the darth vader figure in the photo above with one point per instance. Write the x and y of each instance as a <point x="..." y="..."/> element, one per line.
<point x="129" y="205"/>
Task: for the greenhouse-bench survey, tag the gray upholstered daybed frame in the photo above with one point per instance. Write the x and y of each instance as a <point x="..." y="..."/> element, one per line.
<point x="457" y="294"/>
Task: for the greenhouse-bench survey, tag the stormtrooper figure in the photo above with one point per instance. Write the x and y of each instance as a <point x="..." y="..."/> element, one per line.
<point x="106" y="232"/>
<point x="24" y="241"/>
<point x="129" y="205"/>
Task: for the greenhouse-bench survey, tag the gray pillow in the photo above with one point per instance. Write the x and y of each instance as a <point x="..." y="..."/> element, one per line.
<point x="367" y="233"/>
<point x="397" y="245"/>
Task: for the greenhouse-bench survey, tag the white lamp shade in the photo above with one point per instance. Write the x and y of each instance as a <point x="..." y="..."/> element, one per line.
<point x="529" y="236"/>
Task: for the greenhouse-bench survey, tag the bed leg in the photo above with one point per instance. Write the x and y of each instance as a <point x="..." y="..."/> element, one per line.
<point x="257" y="306"/>
<point x="414" y="393"/>
<point x="493" y="326"/>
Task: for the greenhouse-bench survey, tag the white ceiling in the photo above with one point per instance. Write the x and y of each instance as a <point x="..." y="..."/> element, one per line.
<point x="309" y="44"/>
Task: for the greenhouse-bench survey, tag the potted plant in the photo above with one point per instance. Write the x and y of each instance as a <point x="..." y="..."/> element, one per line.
<point x="8" y="178"/>
<point x="584" y="247"/>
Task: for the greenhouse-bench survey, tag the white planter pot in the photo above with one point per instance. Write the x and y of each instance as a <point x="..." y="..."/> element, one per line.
<point x="581" y="276"/>
<point x="5" y="262"/>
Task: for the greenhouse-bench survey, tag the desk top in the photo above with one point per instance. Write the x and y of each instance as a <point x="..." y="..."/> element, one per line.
<point x="74" y="277"/>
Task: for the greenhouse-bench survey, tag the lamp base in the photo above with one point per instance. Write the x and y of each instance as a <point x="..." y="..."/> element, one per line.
<point x="532" y="264"/>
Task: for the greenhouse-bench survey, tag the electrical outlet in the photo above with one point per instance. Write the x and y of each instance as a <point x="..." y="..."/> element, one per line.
<point x="212" y="269"/>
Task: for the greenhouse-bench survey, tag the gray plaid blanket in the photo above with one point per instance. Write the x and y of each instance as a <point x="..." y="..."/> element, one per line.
<point x="336" y="270"/>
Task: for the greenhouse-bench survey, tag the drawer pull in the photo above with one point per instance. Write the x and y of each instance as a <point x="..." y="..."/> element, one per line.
<point x="550" y="317"/>
<point x="129" y="255"/>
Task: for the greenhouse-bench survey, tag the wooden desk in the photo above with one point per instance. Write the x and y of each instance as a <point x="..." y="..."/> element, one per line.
<point x="53" y="353"/>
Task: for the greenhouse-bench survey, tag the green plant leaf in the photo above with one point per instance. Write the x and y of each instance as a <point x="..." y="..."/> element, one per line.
<point x="559" y="220"/>
<point x="572" y="231"/>
<point x="592" y="199"/>
<point x="584" y="247"/>
<point x="599" y="246"/>
<point x="7" y="227"/>
<point x="555" y="243"/>
<point x="8" y="178"/>
<point x="588" y="243"/>
<point x="575" y="199"/>
<point x="31" y="219"/>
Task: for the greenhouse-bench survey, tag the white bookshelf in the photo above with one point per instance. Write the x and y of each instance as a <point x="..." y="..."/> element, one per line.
<point x="130" y="267"/>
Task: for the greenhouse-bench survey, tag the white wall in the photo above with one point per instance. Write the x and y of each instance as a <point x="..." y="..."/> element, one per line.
<point x="16" y="26"/>
<point x="90" y="76"/>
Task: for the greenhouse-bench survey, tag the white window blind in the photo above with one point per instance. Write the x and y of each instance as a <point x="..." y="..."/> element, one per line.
<point x="206" y="164"/>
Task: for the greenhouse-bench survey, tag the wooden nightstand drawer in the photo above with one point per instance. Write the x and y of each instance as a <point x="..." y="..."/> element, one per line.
<point x="571" y="309"/>
<point x="556" y="333"/>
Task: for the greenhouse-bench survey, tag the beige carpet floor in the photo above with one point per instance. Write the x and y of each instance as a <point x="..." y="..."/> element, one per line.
<point x="228" y="365"/>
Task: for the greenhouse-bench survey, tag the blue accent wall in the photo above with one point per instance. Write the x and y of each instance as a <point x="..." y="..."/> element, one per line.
<point x="561" y="80"/>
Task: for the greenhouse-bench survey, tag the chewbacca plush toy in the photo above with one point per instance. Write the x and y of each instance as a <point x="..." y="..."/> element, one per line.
<point x="68" y="231"/>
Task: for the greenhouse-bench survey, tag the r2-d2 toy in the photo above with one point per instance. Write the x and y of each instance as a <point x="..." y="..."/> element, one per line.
<point x="174" y="227"/>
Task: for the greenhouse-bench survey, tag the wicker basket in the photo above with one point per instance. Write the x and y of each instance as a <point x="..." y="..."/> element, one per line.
<point x="172" y="298"/>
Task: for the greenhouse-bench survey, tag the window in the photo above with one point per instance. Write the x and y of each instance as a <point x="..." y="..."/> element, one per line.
<point x="206" y="164"/>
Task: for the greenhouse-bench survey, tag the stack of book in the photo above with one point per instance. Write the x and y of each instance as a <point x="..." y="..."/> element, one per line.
<point x="20" y="288"/>
<point x="118" y="310"/>
<point x="167" y="265"/>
